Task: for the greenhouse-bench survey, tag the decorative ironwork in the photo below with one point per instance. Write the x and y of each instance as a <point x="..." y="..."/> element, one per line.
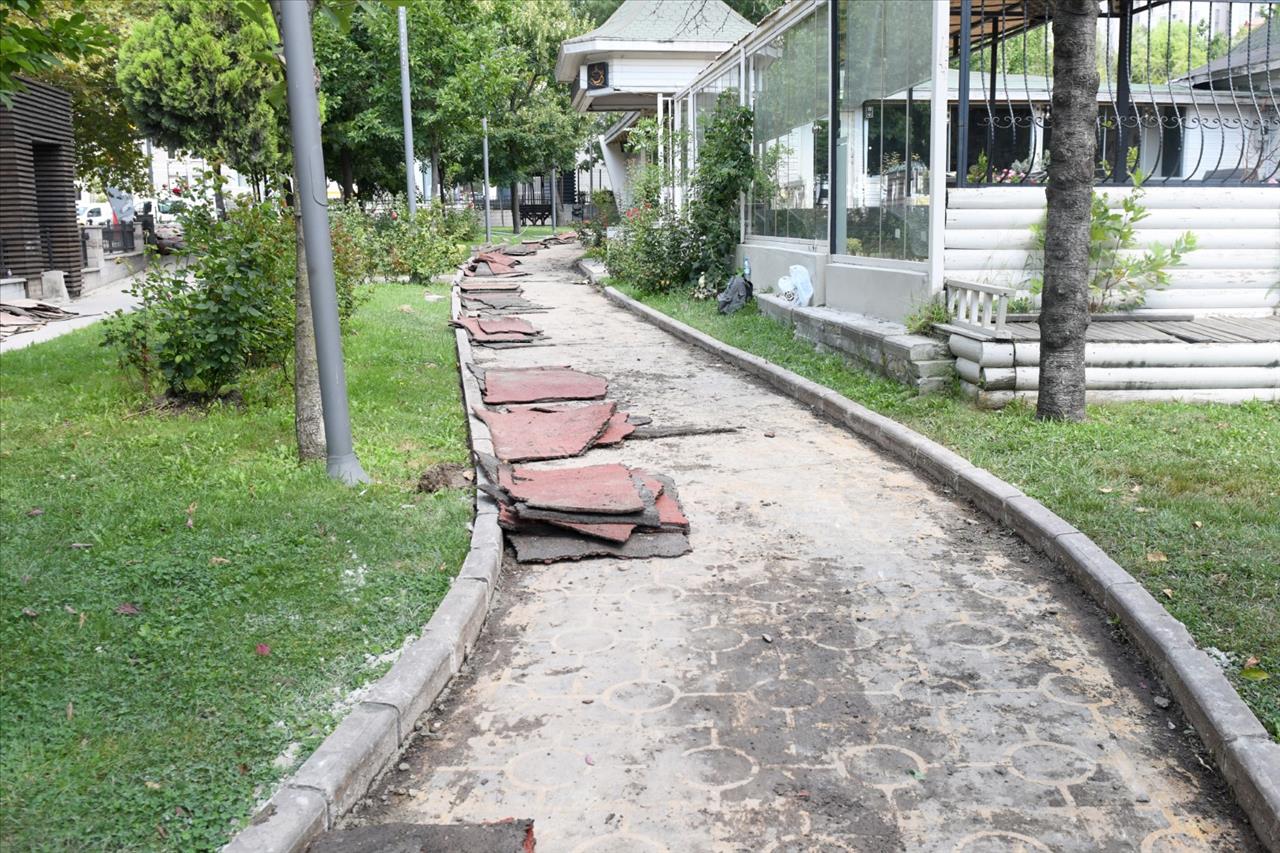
<point x="1189" y="92"/>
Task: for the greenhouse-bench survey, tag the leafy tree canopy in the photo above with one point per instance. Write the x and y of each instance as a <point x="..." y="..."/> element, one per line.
<point x="199" y="77"/>
<point x="36" y="37"/>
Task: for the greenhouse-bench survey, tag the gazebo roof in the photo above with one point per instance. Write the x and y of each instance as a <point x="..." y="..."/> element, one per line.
<point x="670" y="21"/>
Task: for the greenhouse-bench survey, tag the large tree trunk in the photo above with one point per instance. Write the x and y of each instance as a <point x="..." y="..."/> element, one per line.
<point x="308" y="412"/>
<point x="1064" y="314"/>
<point x="515" y="209"/>
<point x="348" y="175"/>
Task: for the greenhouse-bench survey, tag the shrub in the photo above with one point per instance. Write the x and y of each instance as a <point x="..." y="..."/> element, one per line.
<point x="725" y="170"/>
<point x="1119" y="278"/>
<point x="654" y="251"/>
<point x="232" y="308"/>
<point x="388" y="244"/>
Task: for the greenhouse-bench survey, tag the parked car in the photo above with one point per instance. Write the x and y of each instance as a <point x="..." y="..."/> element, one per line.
<point x="168" y="237"/>
<point x="95" y="214"/>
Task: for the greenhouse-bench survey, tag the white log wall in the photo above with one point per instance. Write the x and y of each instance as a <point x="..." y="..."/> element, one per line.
<point x="1235" y="268"/>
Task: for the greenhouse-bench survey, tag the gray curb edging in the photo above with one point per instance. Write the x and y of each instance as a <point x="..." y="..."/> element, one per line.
<point x="346" y="764"/>
<point x="1246" y="755"/>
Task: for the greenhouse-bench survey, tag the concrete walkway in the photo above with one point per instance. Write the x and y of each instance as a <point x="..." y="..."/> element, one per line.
<point x="850" y="659"/>
<point x="95" y="306"/>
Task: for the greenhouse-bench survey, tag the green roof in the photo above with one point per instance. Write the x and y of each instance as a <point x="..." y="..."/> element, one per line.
<point x="671" y="20"/>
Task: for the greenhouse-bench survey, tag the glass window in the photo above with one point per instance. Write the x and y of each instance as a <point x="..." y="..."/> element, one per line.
<point x="881" y="203"/>
<point x="790" y="96"/>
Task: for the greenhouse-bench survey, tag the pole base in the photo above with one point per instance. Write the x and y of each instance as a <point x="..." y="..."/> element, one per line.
<point x="347" y="469"/>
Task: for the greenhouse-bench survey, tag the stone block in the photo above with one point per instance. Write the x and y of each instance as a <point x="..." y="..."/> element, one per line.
<point x="1210" y="702"/>
<point x="460" y="616"/>
<point x="1153" y="630"/>
<point x="1252" y="768"/>
<point x="286" y="824"/>
<point x="1034" y="522"/>
<point x="349" y="759"/>
<point x="414" y="681"/>
<point x="1091" y="567"/>
<point x="986" y="490"/>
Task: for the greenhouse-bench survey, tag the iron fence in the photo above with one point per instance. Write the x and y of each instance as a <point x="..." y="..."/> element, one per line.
<point x="1189" y="92"/>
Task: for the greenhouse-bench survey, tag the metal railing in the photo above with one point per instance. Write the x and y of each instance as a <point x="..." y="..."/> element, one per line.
<point x="117" y="238"/>
<point x="1189" y="92"/>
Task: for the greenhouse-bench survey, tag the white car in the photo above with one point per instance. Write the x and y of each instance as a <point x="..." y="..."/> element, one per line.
<point x="95" y="214"/>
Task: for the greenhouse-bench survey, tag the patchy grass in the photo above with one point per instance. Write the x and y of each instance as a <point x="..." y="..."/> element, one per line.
<point x="502" y="233"/>
<point x="160" y="729"/>
<point x="1185" y="497"/>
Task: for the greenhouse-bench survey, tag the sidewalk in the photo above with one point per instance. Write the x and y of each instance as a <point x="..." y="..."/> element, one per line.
<point x="849" y="659"/>
<point x="93" y="307"/>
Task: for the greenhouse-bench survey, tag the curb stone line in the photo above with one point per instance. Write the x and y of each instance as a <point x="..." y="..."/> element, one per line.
<point x="379" y="727"/>
<point x="1245" y="754"/>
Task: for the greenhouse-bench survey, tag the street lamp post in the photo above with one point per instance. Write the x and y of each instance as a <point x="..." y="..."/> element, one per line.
<point x="553" y="199"/>
<point x="407" y="110"/>
<point x="488" y="230"/>
<point x="312" y="200"/>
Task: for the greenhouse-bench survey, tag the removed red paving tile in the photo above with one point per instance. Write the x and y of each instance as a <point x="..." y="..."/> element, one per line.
<point x="541" y="384"/>
<point x="603" y="489"/>
<point x="523" y="435"/>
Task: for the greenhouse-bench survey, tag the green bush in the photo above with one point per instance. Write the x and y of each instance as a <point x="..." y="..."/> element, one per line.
<point x="201" y="326"/>
<point x="725" y="170"/>
<point x="389" y="244"/>
<point x="654" y="250"/>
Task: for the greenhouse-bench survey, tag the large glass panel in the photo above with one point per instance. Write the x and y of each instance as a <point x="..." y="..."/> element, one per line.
<point x="704" y="102"/>
<point x="881" y="203"/>
<point x="790" y="96"/>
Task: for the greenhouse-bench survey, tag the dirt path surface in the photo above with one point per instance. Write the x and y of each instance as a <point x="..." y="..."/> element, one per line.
<point x="850" y="659"/>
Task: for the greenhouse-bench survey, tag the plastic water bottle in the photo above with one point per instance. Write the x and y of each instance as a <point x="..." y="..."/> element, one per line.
<point x="746" y="268"/>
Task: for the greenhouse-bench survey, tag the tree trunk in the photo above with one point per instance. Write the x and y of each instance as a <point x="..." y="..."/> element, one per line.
<point x="308" y="412"/>
<point x="348" y="176"/>
<point x="1064" y="314"/>
<point x="219" y="203"/>
<point x="515" y="209"/>
<point x="436" y="177"/>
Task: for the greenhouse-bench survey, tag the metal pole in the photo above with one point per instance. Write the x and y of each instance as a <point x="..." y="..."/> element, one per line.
<point x="407" y="109"/>
<point x="962" y="108"/>
<point x="553" y="199"/>
<point x="312" y="199"/>
<point x="1124" y="101"/>
<point x="488" y="229"/>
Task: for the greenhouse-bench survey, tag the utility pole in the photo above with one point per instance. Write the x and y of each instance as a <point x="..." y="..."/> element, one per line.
<point x="312" y="198"/>
<point x="407" y="109"/>
<point x="488" y="230"/>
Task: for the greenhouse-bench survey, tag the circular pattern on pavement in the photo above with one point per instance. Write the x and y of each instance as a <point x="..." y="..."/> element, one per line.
<point x="1051" y="763"/>
<point x="640" y="697"/>
<point x="720" y="767"/>
<point x="583" y="641"/>
<point x="883" y="764"/>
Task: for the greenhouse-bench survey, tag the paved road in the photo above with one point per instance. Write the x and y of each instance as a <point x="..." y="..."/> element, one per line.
<point x="850" y="659"/>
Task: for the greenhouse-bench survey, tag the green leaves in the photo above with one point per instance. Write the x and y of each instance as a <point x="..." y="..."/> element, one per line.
<point x="35" y="39"/>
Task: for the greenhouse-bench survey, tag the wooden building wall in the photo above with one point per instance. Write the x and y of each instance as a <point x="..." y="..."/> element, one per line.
<point x="38" y="228"/>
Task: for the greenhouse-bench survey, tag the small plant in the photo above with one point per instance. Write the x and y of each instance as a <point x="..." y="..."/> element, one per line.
<point x="1119" y="276"/>
<point x="925" y="315"/>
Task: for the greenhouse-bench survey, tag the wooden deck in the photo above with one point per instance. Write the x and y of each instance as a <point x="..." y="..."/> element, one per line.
<point x="1199" y="331"/>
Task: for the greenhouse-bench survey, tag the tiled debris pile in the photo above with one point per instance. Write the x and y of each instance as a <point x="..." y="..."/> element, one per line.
<point x="587" y="511"/>
<point x="27" y="315"/>
<point x="543" y="413"/>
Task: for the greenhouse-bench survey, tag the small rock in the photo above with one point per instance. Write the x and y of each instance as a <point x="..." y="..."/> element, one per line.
<point x="766" y="638"/>
<point x="587" y="701"/>
<point x="1142" y="797"/>
<point x="402" y="766"/>
<point x="1163" y="702"/>
<point x="436" y="725"/>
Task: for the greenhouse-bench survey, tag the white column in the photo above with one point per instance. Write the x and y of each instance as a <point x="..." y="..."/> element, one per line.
<point x="939" y="112"/>
<point x="616" y="166"/>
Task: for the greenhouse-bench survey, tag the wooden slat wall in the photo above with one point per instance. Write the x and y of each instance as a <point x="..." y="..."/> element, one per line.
<point x="1234" y="270"/>
<point x="37" y="145"/>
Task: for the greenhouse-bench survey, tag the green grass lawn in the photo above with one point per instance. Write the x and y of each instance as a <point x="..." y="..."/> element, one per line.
<point x="502" y="233"/>
<point x="1185" y="497"/>
<point x="160" y="729"/>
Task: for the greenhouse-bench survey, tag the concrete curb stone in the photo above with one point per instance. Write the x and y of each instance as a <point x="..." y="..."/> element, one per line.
<point x="1248" y="759"/>
<point x="349" y="760"/>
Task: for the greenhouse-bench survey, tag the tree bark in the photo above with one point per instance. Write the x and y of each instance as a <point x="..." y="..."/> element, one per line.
<point x="348" y="176"/>
<point x="308" y="412"/>
<point x="436" y="177"/>
<point x="515" y="209"/>
<point x="1064" y="313"/>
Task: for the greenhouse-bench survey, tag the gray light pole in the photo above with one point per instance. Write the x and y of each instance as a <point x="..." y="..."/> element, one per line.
<point x="312" y="199"/>
<point x="553" y="199"/>
<point x="407" y="109"/>
<point x="488" y="230"/>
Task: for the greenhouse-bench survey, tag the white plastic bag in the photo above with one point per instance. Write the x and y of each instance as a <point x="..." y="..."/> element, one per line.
<point x="802" y="285"/>
<point x="785" y="290"/>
